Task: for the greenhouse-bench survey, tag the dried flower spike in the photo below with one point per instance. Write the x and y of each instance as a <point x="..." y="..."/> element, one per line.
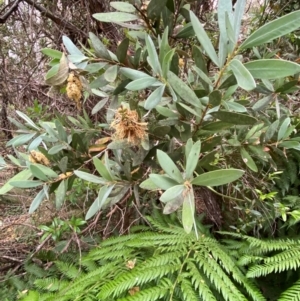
<point x="74" y="89"/>
<point x="38" y="157"/>
<point x="128" y="126"/>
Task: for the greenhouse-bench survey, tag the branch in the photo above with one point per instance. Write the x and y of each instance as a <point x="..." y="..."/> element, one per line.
<point x="56" y="19"/>
<point x="13" y="8"/>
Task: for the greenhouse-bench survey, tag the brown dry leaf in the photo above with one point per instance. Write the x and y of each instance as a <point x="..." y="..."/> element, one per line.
<point x="131" y="264"/>
<point x="134" y="290"/>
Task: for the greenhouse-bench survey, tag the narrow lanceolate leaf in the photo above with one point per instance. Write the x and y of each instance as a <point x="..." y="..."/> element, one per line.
<point x="88" y="177"/>
<point x="71" y="47"/>
<point x="122" y="6"/>
<point x="142" y="83"/>
<point x="60" y="193"/>
<point x="183" y="90"/>
<point x="237" y="17"/>
<point x="23" y="175"/>
<point x="169" y="166"/>
<point x="133" y="74"/>
<point x="248" y="160"/>
<point x="188" y="211"/>
<point x="114" y="17"/>
<point x="273" y="30"/>
<point x="153" y="57"/>
<point x="99" y="47"/>
<point x="102" y="169"/>
<point x="204" y="39"/>
<point x="272" y="68"/>
<point x="162" y="181"/>
<point x="100" y="201"/>
<point x="218" y="177"/>
<point x="242" y="75"/>
<point x="37" y="201"/>
<point x="111" y="73"/>
<point x="234" y="118"/>
<point x="28" y="120"/>
<point x="173" y="192"/>
<point x="192" y="160"/>
<point x="26" y="183"/>
<point x="285" y="124"/>
<point x="154" y="98"/>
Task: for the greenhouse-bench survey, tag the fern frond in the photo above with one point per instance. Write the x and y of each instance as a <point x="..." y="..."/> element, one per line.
<point x="149" y="294"/>
<point x="68" y="270"/>
<point x="51" y="284"/>
<point x="137" y="277"/>
<point x="292" y="293"/>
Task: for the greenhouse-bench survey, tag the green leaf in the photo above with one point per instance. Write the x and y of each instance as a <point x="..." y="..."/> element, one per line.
<point x="218" y="177"/>
<point x="215" y="98"/>
<point x="234" y="118"/>
<point x="217" y="126"/>
<point x="26" y="183"/>
<point x="272" y="30"/>
<point x="166" y="64"/>
<point x="155" y="8"/>
<point x="154" y="98"/>
<point x="192" y="160"/>
<point x="164" y="47"/>
<point x="56" y="149"/>
<point x="235" y="106"/>
<point x="186" y="31"/>
<point x="99" y="105"/>
<point x="122" y="50"/>
<point x="237" y="17"/>
<point x="62" y="74"/>
<point x="204" y="39"/>
<point x="188" y="211"/>
<point x="285" y="124"/>
<point x="60" y="194"/>
<point x="36" y="172"/>
<point x="168" y="166"/>
<point x="162" y="181"/>
<point x="290" y="144"/>
<point x="111" y="73"/>
<point x="52" y="53"/>
<point x="242" y="75"/>
<point x="172" y="193"/>
<point x="271" y="130"/>
<point x="100" y="201"/>
<point x="122" y="6"/>
<point x="183" y="90"/>
<point x="89" y="177"/>
<point x="153" y="57"/>
<point x="37" y="201"/>
<point x="133" y="74"/>
<point x="61" y="131"/>
<point x="262" y="103"/>
<point x="115" y="17"/>
<point x="272" y="68"/>
<point x="95" y="67"/>
<point x="102" y="169"/>
<point x="23" y="175"/>
<point x="100" y="49"/>
<point x="202" y="75"/>
<point x="72" y="49"/>
<point x="142" y="83"/>
<point x="20" y="140"/>
<point x="248" y="160"/>
<point x="150" y="185"/>
<point x="28" y="120"/>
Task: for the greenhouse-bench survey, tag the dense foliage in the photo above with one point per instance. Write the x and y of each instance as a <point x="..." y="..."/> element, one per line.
<point x="175" y="114"/>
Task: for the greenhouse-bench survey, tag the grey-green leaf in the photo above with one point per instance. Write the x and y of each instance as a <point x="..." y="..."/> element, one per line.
<point x="242" y="75"/>
<point x="192" y="160"/>
<point x="218" y="177"/>
<point x="154" y="98"/>
<point x="169" y="166"/>
<point x="99" y="47"/>
<point x="273" y="30"/>
<point x="89" y="177"/>
<point x="173" y="192"/>
<point x="113" y="17"/>
<point x="141" y="83"/>
<point x="248" y="160"/>
<point x="122" y="6"/>
<point x="37" y="201"/>
<point x="234" y="118"/>
<point x="188" y="211"/>
<point x="272" y="68"/>
<point x="204" y="39"/>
